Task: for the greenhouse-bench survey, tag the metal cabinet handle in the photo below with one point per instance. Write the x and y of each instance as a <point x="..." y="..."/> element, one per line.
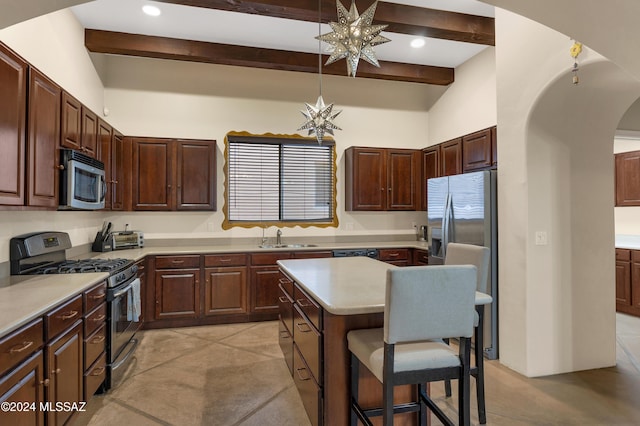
<point x="97" y="339"/>
<point x="56" y="371"/>
<point x="98" y="371"/>
<point x="303" y="303"/>
<point x="394" y="254"/>
<point x="98" y="296"/>
<point x="301" y="324"/>
<point x="99" y="319"/>
<point x="20" y="348"/>
<point x="306" y="377"/>
<point x="177" y="261"/>
<point x="283" y="299"/>
<point x="284" y="281"/>
<point x="67" y="316"/>
<point x="44" y="382"/>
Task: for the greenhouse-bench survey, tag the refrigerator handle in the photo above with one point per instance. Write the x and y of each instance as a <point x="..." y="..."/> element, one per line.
<point x="445" y="226"/>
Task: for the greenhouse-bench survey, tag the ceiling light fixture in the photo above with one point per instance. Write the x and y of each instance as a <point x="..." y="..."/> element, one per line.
<point x="151" y="10"/>
<point x="354" y="36"/>
<point x="319" y="117"/>
<point x="417" y="43"/>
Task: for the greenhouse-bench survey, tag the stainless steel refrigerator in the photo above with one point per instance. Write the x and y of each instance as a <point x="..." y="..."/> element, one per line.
<point x="463" y="209"/>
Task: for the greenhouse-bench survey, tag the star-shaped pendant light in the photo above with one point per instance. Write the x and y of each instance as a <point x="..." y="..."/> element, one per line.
<point x="354" y="37"/>
<point x="319" y="117"/>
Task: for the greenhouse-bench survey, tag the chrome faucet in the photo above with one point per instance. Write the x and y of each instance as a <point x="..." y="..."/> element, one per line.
<point x="279" y="237"/>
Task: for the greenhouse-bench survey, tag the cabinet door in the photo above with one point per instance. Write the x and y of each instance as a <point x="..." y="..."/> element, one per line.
<point x="177" y="293"/>
<point x="451" y="157"/>
<point x="196" y="175"/>
<point x="225" y="290"/>
<point x="623" y="283"/>
<point x="476" y="151"/>
<point x="402" y="179"/>
<point x="13" y="115"/>
<point x="89" y="132"/>
<point x="65" y="371"/>
<point x="120" y="183"/>
<point x="152" y="174"/>
<point x="634" y="300"/>
<point x="43" y="140"/>
<point x="627" y="182"/>
<point x="494" y="146"/>
<point x="71" y="122"/>
<point x="431" y="168"/>
<point x="365" y="179"/>
<point x="24" y="384"/>
<point x="264" y="290"/>
<point x="105" y="135"/>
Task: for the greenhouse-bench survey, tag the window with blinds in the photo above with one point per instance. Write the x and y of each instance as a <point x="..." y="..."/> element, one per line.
<point x="281" y="180"/>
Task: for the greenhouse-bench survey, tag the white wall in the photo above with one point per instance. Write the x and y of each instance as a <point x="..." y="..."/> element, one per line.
<point x="557" y="310"/>
<point x="469" y="104"/>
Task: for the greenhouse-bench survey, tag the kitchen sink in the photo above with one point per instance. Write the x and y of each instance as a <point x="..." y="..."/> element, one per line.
<point x="267" y="246"/>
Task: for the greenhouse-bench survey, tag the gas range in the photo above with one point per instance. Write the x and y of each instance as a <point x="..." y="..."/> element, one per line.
<point x="45" y="253"/>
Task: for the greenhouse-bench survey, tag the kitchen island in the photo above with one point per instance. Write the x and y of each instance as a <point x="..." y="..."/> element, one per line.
<point x="321" y="300"/>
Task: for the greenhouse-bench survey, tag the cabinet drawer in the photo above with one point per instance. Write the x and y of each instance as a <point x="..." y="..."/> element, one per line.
<point x="235" y="259"/>
<point x="286" y="283"/>
<point x="95" y="296"/>
<point x="393" y="254"/>
<point x="95" y="319"/>
<point x="94" y="377"/>
<point x="308" y="340"/>
<point x="623" y="254"/>
<point x="172" y="262"/>
<point x="309" y="391"/>
<point x="94" y="345"/>
<point x="635" y="256"/>
<point x="421" y="257"/>
<point x="285" y="339"/>
<point x="63" y="317"/>
<point x="285" y="306"/>
<point x="312" y="254"/>
<point x="268" y="258"/>
<point x="18" y="345"/>
<point x="309" y="307"/>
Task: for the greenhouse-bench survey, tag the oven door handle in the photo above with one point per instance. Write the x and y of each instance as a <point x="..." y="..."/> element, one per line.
<point x="126" y="357"/>
<point x="124" y="290"/>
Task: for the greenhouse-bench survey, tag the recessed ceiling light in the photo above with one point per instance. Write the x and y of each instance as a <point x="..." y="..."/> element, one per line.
<point x="417" y="42"/>
<point x="151" y="10"/>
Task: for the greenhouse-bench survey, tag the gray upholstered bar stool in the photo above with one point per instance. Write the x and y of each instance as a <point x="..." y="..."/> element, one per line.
<point x="422" y="304"/>
<point x="467" y="254"/>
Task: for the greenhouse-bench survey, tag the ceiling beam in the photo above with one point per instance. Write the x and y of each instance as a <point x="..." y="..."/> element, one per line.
<point x="214" y="53"/>
<point x="402" y="19"/>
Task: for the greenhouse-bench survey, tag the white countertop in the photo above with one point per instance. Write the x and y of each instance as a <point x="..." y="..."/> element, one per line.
<point x="628" y="242"/>
<point x="342" y="285"/>
<point x="24" y="298"/>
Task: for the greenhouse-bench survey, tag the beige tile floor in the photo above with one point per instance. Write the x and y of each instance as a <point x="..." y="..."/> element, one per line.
<point x="232" y="375"/>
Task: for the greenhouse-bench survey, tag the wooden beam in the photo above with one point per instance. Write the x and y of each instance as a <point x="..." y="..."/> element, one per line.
<point x="214" y="53"/>
<point x="402" y="19"/>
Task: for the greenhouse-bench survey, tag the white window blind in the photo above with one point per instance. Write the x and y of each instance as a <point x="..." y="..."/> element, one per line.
<point x="279" y="181"/>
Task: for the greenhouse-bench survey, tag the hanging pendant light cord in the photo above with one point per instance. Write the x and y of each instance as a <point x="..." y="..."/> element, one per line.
<point x="320" y="44"/>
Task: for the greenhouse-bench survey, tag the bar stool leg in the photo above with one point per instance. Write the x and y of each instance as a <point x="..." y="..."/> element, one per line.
<point x="479" y="349"/>
<point x="355" y="363"/>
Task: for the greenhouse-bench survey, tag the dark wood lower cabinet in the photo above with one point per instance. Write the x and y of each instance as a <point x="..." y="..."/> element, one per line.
<point x="628" y="281"/>
<point x="177" y="293"/>
<point x="225" y="290"/>
<point x="65" y="373"/>
<point x="264" y="289"/>
<point x="25" y="384"/>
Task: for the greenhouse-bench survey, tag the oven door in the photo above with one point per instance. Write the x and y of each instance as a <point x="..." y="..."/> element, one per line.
<point x="125" y="316"/>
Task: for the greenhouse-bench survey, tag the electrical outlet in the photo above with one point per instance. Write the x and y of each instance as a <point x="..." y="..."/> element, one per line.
<point x="541" y="238"/>
<point x="348" y="226"/>
<point x="414" y="225"/>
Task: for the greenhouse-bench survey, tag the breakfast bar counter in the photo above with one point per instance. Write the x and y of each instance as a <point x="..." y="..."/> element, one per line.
<point x="321" y="301"/>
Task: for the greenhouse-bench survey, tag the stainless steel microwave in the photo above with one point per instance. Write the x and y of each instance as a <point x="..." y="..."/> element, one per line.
<point x="82" y="182"/>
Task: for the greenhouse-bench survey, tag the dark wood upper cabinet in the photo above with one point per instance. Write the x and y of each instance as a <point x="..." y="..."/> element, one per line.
<point x="477" y="151"/>
<point x="196" y="175"/>
<point x="403" y="183"/>
<point x="494" y="146"/>
<point x="89" y="132"/>
<point x="451" y="157"/>
<point x="365" y="179"/>
<point x="171" y="174"/>
<point x="43" y="140"/>
<point x="71" y="123"/>
<point x="627" y="179"/>
<point x="152" y="174"/>
<point x="13" y="115"/>
<point x="105" y="135"/>
<point x="431" y="168"/>
<point x="378" y="179"/>
<point x="119" y="184"/>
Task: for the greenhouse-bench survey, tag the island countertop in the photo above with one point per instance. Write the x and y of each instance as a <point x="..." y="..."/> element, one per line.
<point x="343" y="285"/>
